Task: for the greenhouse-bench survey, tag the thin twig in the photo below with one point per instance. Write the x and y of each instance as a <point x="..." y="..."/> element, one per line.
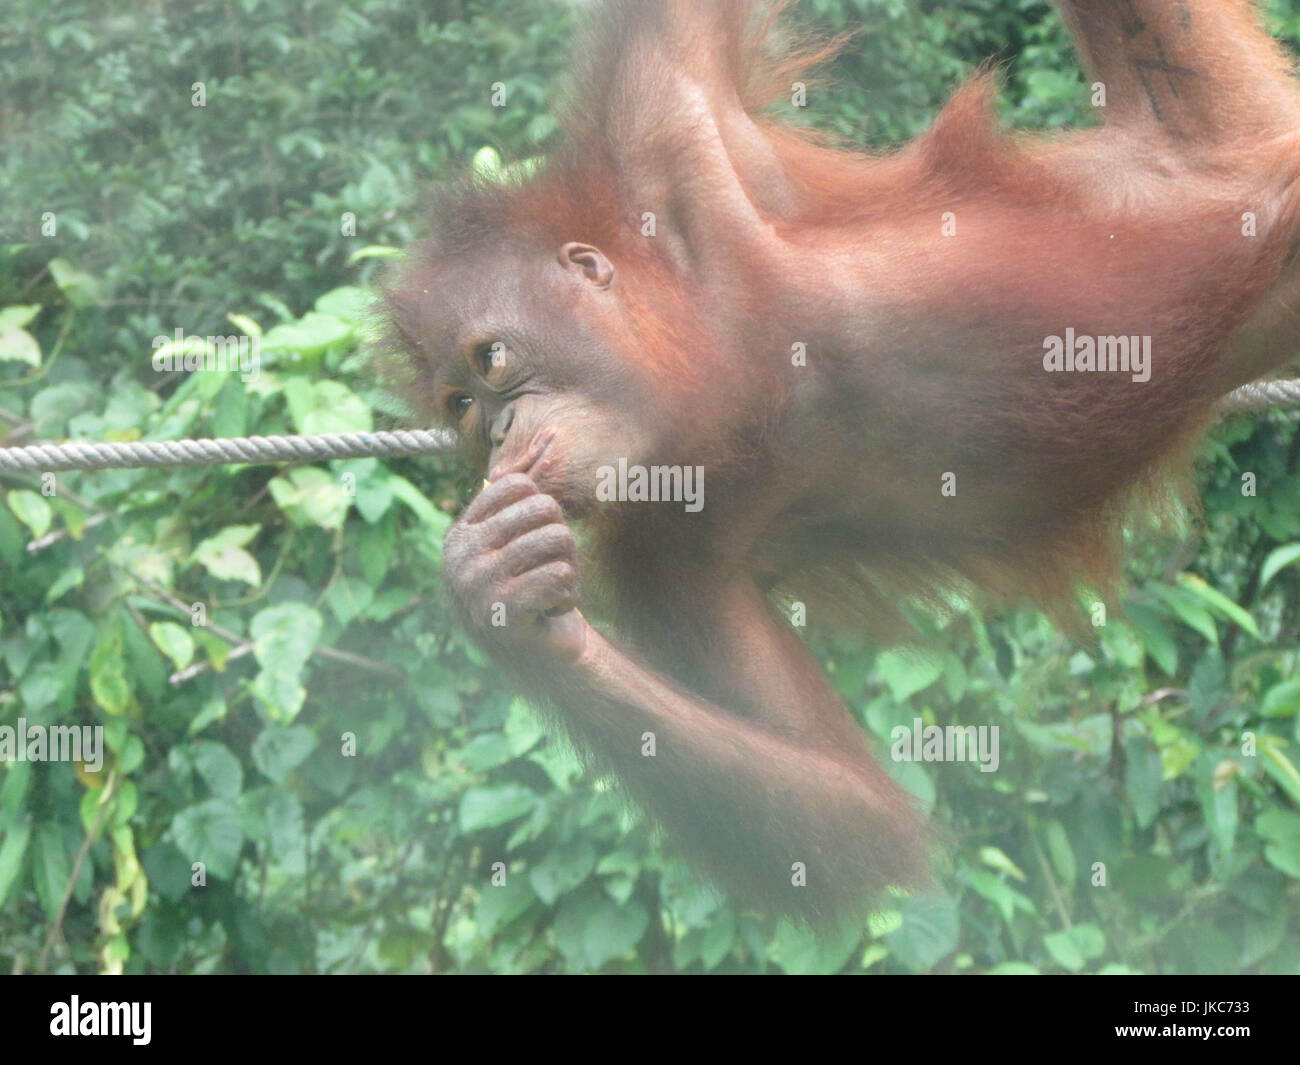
<point x="110" y="789"/>
<point x="243" y="645"/>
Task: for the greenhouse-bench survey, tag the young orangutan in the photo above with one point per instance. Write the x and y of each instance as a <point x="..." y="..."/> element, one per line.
<point x="886" y="374"/>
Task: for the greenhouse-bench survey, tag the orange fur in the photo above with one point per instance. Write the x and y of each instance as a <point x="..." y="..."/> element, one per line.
<point x="924" y="287"/>
<point x="1082" y="230"/>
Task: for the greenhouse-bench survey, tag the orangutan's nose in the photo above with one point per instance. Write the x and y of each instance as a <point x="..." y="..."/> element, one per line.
<point x="501" y="425"/>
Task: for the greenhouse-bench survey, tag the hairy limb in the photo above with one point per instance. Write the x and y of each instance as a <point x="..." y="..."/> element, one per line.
<point x="748" y="790"/>
<point x="1202" y="69"/>
<point x="747" y="799"/>
<point x="668" y="92"/>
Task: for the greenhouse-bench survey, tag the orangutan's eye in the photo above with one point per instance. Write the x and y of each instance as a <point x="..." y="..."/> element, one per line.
<point x="459" y="403"/>
<point x="489" y="356"/>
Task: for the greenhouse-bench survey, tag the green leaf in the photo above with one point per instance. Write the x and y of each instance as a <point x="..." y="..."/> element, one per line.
<point x="51" y="867"/>
<point x="284" y="638"/>
<point x="522" y="728"/>
<point x="11" y="539"/>
<point x="717" y="939"/>
<point x="245" y="324"/>
<point x="108" y="684"/>
<point x="30" y="509"/>
<point x="13" y="789"/>
<point x="71" y="576"/>
<point x="1064" y="951"/>
<point x="1155" y="637"/>
<point x="430" y="515"/>
<point x="489" y="807"/>
<point x="1278" y="559"/>
<point x="691" y="902"/>
<point x="995" y="890"/>
<point x="279" y="750"/>
<point x="310" y="335"/>
<point x="995" y="858"/>
<point x="1122" y="642"/>
<point x="41" y="687"/>
<point x="11" y="854"/>
<point x="1187" y="609"/>
<point x="1216" y="600"/>
<point x="929" y="932"/>
<point x="561" y="870"/>
<point x="1278" y="766"/>
<point x="907" y="673"/>
<point x="374" y="497"/>
<point x="1060" y="851"/>
<point x="52" y="407"/>
<point x="213" y="710"/>
<point x="311" y="497"/>
<point x="218" y="767"/>
<point x="348" y="597"/>
<point x="560" y="763"/>
<point x="1218" y="797"/>
<point x="486" y="751"/>
<point x="1281" y="831"/>
<point x="326" y="407"/>
<point x="18" y="315"/>
<point x="173" y="641"/>
<point x="1282" y="700"/>
<point x="800" y="951"/>
<point x="499" y="904"/>
<point x="1074" y="947"/>
<point x="81" y="289"/>
<point x="209" y="832"/>
<point x="132" y="755"/>
<point x="18" y="345"/>
<point x="1177" y="757"/>
<point x="274" y="817"/>
<point x="1143" y="779"/>
<point x="592" y="931"/>
<point x="376" y="251"/>
<point x="349" y="303"/>
<point x="216" y="649"/>
<point x="223" y="555"/>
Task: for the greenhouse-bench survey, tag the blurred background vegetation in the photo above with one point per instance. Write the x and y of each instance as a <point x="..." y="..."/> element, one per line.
<point x="226" y="218"/>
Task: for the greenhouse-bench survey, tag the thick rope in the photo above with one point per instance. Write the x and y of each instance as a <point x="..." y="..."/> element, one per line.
<point x="1259" y="396"/>
<point x="40" y="458"/>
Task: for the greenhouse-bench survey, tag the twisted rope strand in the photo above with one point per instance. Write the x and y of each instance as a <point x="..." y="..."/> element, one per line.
<point x="1262" y="395"/>
<point x="41" y="458"/>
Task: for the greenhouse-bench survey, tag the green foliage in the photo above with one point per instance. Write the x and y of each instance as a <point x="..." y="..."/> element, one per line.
<point x="283" y="695"/>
